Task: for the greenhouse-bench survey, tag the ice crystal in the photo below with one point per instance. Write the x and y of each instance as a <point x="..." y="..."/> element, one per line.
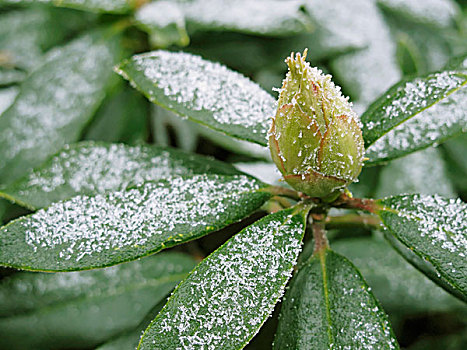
<point x="55" y="102"/>
<point x="429" y="127"/>
<point x="91" y="168"/>
<point x="148" y="216"/>
<point x="259" y="16"/>
<point x="229" y="295"/>
<point x="215" y="94"/>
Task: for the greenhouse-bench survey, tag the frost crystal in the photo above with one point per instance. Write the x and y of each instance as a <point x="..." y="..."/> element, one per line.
<point x="91" y="168"/>
<point x="429" y="127"/>
<point x="54" y="104"/>
<point x="137" y="220"/>
<point x="229" y="295"/>
<point x="210" y="92"/>
<point x="259" y="16"/>
<point x="442" y="221"/>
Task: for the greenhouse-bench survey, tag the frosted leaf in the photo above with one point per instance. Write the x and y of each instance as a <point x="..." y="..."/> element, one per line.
<point x="432" y="126"/>
<point x="407" y="99"/>
<point x="10" y="76"/>
<point x="330" y="306"/>
<point x="22" y="37"/>
<point x="55" y="103"/>
<point x="338" y="35"/>
<point x="264" y="17"/>
<point x="103" y="230"/>
<point x="225" y="300"/>
<point x="203" y="91"/>
<point x="109" y="6"/>
<point x="122" y="117"/>
<point x="435" y="229"/>
<point x="45" y="311"/>
<point x="95" y="168"/>
<point x="7" y="96"/>
<point x="423" y="172"/>
<point x="164" y="21"/>
<point x="440" y="13"/>
<point x="364" y="73"/>
<point x="397" y="285"/>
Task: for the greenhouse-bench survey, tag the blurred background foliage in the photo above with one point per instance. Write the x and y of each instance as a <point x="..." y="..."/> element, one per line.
<point x="367" y="45"/>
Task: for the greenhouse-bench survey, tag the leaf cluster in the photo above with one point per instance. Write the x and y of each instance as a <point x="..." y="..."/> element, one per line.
<point x="91" y="186"/>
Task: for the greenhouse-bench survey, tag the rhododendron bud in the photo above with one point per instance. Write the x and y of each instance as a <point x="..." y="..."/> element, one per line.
<point x="315" y="138"/>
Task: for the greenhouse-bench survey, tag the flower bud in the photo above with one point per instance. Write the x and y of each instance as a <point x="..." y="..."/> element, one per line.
<point x="315" y="138"/>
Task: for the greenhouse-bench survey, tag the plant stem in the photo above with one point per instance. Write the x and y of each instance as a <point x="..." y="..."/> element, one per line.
<point x="276" y="204"/>
<point x="319" y="232"/>
<point x="347" y="202"/>
<point x="353" y="220"/>
<point x="283" y="192"/>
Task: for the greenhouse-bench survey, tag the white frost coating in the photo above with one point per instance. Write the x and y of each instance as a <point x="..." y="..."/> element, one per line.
<point x="201" y="85"/>
<point x="445" y="118"/>
<point x="229" y="295"/>
<point x="442" y="221"/>
<point x="88" y="225"/>
<point x="439" y="12"/>
<point x="92" y="168"/>
<point x="160" y="14"/>
<point x="368" y="72"/>
<point x="55" y="102"/>
<point x="421" y="172"/>
<point x="7" y="96"/>
<point x="418" y="94"/>
<point x="101" y="5"/>
<point x="258" y="16"/>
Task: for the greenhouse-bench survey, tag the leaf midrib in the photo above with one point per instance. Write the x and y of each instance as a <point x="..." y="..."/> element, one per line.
<point x="322" y="259"/>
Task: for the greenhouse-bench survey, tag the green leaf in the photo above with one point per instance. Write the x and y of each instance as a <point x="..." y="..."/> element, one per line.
<point x="454" y="151"/>
<point x="433" y="126"/>
<point x="52" y="311"/>
<point x="329" y="305"/>
<point x="423" y="172"/>
<point x="259" y="17"/>
<point x="428" y="46"/>
<point x="364" y="74"/>
<point x="92" y="168"/>
<point x="11" y="76"/>
<point x="435" y="229"/>
<point x="55" y="102"/>
<point x="26" y="34"/>
<point x="225" y="300"/>
<point x="130" y="339"/>
<point x="205" y="92"/>
<point x="333" y="37"/>
<point x="398" y="286"/>
<point x="7" y="96"/>
<point x="22" y="37"/>
<point x="121" y="118"/>
<point x="99" y="6"/>
<point x="436" y="13"/>
<point x="3" y="208"/>
<point x="87" y="232"/>
<point x="164" y="21"/>
<point x="408" y="99"/>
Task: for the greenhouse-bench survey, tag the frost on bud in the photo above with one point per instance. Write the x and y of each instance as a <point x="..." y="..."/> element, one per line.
<point x="315" y="138"/>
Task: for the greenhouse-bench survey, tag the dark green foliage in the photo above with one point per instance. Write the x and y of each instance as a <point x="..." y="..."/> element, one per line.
<point x="96" y="171"/>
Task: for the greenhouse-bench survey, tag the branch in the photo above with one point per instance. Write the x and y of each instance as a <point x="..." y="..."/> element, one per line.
<point x="319" y="232"/>
<point x="353" y="220"/>
<point x="283" y="192"/>
<point x="347" y="202"/>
